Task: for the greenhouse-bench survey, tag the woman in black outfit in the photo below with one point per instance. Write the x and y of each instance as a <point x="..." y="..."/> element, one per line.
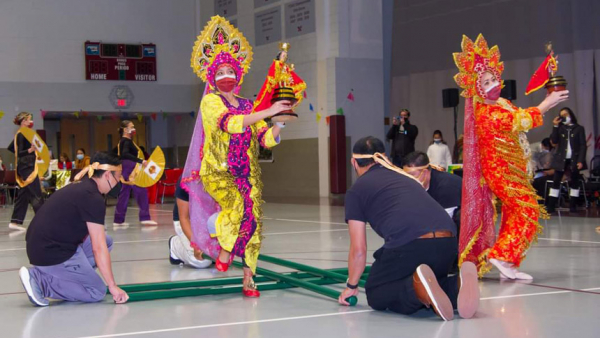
<point x="569" y="137"/>
<point x="130" y="155"/>
<point x="30" y="191"/>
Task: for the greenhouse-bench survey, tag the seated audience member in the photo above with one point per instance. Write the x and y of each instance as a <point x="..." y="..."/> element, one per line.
<point x="64" y="163"/>
<point x="410" y="271"/>
<point x="66" y="241"/>
<point x="438" y="151"/>
<point x="543" y="167"/>
<point x="82" y="160"/>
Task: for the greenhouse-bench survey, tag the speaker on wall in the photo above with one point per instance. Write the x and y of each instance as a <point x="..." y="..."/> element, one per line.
<point x="450" y="97"/>
<point x="509" y="91"/>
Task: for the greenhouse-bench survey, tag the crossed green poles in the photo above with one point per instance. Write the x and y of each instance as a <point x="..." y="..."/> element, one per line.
<point x="307" y="277"/>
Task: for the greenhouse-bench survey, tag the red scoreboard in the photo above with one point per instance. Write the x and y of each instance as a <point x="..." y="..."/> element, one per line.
<point x="117" y="61"/>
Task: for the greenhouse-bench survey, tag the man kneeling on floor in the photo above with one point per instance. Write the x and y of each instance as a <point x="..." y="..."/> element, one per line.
<point x="66" y="240"/>
<point x="411" y="269"/>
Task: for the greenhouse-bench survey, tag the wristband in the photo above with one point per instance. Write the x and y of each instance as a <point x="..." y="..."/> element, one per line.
<point x="281" y="125"/>
<point x="350" y="286"/>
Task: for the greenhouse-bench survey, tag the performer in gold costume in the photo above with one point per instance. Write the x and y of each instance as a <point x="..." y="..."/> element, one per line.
<point x="496" y="157"/>
<point x="222" y="174"/>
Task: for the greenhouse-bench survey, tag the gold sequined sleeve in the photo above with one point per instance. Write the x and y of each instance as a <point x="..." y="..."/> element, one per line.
<point x="265" y="135"/>
<point x="216" y="113"/>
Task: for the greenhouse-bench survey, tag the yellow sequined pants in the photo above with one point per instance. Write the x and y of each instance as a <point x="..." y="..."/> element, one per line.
<point x="222" y="188"/>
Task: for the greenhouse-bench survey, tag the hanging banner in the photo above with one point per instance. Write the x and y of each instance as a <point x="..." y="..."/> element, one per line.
<point x="267" y="26"/>
<point x="299" y="18"/>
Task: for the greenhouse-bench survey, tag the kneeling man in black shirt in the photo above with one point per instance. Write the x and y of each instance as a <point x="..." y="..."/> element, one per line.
<point x="66" y="240"/>
<point x="411" y="269"/>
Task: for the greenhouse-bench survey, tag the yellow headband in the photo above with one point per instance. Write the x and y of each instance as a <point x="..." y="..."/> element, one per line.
<point x="385" y="162"/>
<point x="89" y="170"/>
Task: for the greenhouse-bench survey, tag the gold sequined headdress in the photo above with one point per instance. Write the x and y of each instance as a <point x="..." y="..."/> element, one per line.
<point x="474" y="60"/>
<point x="220" y="43"/>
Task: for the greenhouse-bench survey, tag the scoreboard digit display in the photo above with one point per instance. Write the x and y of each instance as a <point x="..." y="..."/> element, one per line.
<point x="118" y="61"/>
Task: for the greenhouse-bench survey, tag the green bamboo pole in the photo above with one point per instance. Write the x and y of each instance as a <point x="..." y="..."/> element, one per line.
<point x="310" y="269"/>
<point x="189" y="292"/>
<point x="304" y="284"/>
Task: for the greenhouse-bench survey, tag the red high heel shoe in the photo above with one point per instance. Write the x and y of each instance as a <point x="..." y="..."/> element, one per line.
<point x="221" y="266"/>
<point x="251" y="292"/>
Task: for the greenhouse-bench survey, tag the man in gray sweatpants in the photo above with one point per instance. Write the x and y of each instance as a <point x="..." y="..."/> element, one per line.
<point x="66" y="240"/>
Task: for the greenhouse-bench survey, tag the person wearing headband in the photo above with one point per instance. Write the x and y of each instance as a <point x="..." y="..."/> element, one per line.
<point x="410" y="271"/>
<point x="496" y="164"/>
<point x="445" y="188"/>
<point x="30" y="188"/>
<point x="66" y="240"/>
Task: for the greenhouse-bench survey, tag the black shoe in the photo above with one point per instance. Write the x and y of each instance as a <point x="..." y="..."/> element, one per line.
<point x="173" y="260"/>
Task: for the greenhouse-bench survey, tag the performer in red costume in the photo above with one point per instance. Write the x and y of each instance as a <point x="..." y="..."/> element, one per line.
<point x="496" y="160"/>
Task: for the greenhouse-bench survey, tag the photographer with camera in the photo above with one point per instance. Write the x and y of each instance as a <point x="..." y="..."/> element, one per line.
<point x="569" y="137"/>
<point x="403" y="136"/>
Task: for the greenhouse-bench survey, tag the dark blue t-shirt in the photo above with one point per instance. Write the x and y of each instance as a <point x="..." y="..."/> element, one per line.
<point x="397" y="207"/>
<point x="181" y="194"/>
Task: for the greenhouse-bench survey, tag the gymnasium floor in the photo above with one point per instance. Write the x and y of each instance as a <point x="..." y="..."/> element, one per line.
<point x="563" y="301"/>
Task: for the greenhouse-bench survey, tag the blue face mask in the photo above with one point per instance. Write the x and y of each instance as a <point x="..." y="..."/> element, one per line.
<point x="437" y="140"/>
<point x="80" y="157"/>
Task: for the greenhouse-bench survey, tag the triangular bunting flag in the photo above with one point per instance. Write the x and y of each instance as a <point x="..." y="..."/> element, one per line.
<point x="114" y="117"/>
<point x="85" y="114"/>
<point x="165" y="115"/>
<point x="340" y="111"/>
<point x="1" y="115"/>
<point x="43" y="112"/>
<point x="140" y="117"/>
<point x="327" y="119"/>
<point x="153" y="116"/>
<point x="178" y="118"/>
<point x="351" y="96"/>
<point x="310" y="107"/>
<point x="304" y="93"/>
<point x="76" y="114"/>
<point x="99" y="117"/>
<point x="192" y="114"/>
<point x="319" y="117"/>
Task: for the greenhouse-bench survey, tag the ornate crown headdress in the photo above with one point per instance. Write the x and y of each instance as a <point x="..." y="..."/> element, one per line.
<point x="220" y="43"/>
<point x="475" y="59"/>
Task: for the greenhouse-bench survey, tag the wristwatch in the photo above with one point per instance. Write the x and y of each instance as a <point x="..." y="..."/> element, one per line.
<point x="350" y="286"/>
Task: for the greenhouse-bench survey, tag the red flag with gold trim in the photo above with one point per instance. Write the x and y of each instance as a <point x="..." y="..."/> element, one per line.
<point x="541" y="75"/>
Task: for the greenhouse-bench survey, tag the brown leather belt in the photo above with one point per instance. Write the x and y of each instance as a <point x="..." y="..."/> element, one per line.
<point x="438" y="234"/>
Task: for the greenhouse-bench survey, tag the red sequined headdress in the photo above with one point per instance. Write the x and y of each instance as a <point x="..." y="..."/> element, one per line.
<point x="474" y="60"/>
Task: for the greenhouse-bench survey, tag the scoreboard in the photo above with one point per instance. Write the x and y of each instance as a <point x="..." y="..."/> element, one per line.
<point x="117" y="61"/>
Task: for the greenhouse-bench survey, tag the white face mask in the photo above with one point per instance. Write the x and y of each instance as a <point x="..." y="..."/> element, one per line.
<point x="225" y="76"/>
<point x="567" y="120"/>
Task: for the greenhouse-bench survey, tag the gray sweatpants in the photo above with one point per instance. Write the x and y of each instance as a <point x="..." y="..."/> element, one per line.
<point x="76" y="279"/>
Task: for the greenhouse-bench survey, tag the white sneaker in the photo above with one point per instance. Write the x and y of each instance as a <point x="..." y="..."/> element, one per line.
<point x="33" y="290"/>
<point x="505" y="268"/>
<point x="149" y="222"/>
<point x="15" y="226"/>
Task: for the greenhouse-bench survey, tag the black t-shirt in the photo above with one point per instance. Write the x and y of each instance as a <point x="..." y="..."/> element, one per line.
<point x="445" y="188"/>
<point x="59" y="226"/>
<point x="181" y="194"/>
<point x="396" y="206"/>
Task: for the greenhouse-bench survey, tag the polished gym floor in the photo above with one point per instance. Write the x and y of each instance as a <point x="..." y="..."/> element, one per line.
<point x="562" y="301"/>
